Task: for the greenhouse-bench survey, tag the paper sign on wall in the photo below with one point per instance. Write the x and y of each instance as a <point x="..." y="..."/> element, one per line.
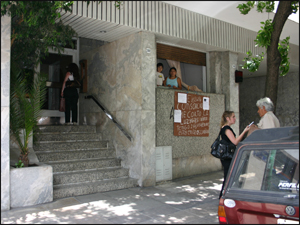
<point x="182" y="98"/>
<point x="177" y="116"/>
<point x="205" y="103"/>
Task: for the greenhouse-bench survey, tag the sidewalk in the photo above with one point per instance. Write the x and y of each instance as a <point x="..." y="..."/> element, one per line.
<point x="192" y="200"/>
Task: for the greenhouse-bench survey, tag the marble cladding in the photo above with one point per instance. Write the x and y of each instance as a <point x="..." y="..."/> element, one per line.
<point x="5" y="60"/>
<point x="5" y="93"/>
<point x="189" y="166"/>
<point x="148" y="158"/>
<point x="87" y="45"/>
<point x="187" y="149"/>
<point x="287" y="110"/>
<point x="31" y="185"/>
<point x="215" y="71"/>
<point x="121" y="75"/>
<point x="222" y="81"/>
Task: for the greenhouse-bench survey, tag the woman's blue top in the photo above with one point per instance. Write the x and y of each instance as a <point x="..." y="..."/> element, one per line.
<point x="172" y="82"/>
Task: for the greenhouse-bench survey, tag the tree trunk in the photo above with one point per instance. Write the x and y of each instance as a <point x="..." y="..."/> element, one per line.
<point x="273" y="56"/>
<point x="24" y="159"/>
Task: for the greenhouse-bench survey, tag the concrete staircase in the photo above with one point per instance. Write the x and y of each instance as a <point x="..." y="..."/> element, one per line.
<point x="82" y="162"/>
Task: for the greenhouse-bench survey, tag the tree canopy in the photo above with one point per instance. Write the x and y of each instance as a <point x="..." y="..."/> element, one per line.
<point x="35" y="27"/>
<point x="268" y="37"/>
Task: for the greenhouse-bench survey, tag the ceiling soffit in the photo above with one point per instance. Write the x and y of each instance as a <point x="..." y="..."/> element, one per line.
<point x="170" y="23"/>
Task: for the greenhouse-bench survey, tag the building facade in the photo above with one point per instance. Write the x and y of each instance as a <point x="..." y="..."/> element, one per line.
<point x="120" y="47"/>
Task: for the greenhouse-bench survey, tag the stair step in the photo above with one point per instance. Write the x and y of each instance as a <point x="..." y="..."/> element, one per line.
<point x="69" y="137"/>
<point x="69" y="190"/>
<point x="82" y="145"/>
<point x="71" y="165"/>
<point x="81" y="161"/>
<point x="88" y="175"/>
<point x="60" y="129"/>
<point x="46" y="156"/>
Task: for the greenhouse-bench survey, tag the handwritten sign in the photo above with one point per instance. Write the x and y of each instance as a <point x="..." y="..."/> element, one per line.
<point x="194" y="115"/>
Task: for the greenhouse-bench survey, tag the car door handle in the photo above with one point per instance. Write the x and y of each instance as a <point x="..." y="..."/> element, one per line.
<point x="290" y="196"/>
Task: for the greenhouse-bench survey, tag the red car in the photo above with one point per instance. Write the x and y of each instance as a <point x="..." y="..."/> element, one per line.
<point x="262" y="185"/>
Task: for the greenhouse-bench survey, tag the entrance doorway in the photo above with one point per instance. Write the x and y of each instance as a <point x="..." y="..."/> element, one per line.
<point x="54" y="66"/>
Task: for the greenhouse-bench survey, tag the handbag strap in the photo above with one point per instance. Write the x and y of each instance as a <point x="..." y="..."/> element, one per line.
<point x="219" y="135"/>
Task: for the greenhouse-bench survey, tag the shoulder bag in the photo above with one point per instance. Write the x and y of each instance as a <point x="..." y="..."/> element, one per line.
<point x="221" y="149"/>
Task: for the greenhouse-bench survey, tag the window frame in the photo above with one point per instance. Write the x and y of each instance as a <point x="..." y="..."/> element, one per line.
<point x="258" y="195"/>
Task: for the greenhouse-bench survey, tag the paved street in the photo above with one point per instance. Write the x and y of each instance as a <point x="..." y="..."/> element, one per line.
<point x="192" y="200"/>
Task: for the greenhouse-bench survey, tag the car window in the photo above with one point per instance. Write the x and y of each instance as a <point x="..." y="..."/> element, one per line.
<point x="268" y="170"/>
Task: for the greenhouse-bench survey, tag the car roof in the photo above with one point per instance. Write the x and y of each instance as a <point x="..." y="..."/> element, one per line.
<point x="281" y="134"/>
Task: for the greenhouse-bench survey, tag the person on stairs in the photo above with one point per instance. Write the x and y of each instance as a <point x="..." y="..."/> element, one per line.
<point x="70" y="93"/>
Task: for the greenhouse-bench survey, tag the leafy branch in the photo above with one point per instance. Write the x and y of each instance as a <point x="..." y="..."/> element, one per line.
<point x="263" y="38"/>
<point x="283" y="48"/>
<point x="252" y="63"/>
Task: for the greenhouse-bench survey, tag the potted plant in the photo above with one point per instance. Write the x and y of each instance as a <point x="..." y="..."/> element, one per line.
<point x="27" y="98"/>
<point x="34" y="29"/>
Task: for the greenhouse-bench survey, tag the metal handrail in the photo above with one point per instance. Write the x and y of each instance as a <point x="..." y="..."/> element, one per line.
<point x="109" y="116"/>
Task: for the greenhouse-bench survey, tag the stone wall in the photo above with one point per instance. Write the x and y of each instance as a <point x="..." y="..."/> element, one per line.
<point x="221" y="80"/>
<point x="191" y="155"/>
<point x="87" y="45"/>
<point x="252" y="89"/>
<point x="121" y="75"/>
<point x="31" y="185"/>
<point x="5" y="93"/>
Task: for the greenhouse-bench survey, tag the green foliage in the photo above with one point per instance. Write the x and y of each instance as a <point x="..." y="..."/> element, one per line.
<point x="263" y="37"/>
<point x="36" y="25"/>
<point x="245" y="8"/>
<point x="252" y="63"/>
<point x="268" y="5"/>
<point x="283" y="48"/>
<point x="26" y="101"/>
<point x="117" y="3"/>
<point x="260" y="6"/>
<point x="295" y="6"/>
<point x="19" y="164"/>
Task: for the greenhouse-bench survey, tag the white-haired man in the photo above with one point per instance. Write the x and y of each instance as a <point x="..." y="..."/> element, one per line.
<point x="267" y="118"/>
<point x="265" y="110"/>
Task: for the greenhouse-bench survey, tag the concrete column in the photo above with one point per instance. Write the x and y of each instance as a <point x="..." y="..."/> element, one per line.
<point x="148" y="68"/>
<point x="222" y="81"/>
<point x="5" y="97"/>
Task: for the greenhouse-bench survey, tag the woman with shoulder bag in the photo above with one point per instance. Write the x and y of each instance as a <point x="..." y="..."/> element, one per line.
<point x="228" y="136"/>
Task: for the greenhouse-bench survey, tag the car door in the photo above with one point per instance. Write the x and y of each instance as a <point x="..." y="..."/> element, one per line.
<point x="263" y="185"/>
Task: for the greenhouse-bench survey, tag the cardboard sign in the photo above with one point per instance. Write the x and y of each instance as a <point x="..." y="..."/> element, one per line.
<point x="194" y="115"/>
